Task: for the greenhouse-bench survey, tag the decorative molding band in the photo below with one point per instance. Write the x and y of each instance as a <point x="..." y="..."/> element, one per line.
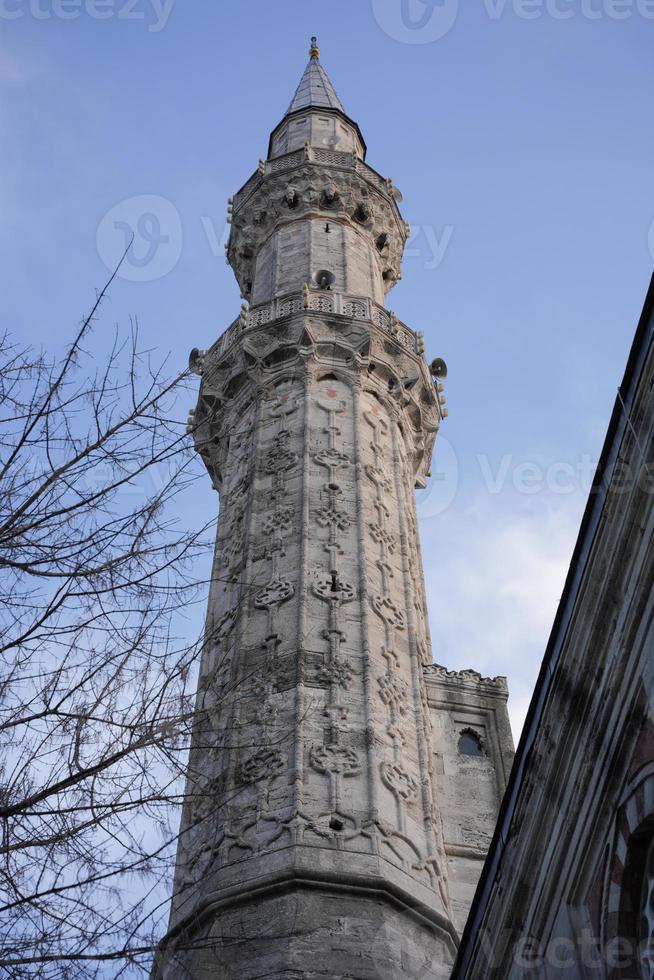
<point x="314" y="154"/>
<point x="340" y="304"/>
<point x="436" y="672"/>
<point x="297" y="878"/>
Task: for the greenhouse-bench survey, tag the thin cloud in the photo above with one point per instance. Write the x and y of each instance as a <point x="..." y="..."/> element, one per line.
<point x="495" y="575"/>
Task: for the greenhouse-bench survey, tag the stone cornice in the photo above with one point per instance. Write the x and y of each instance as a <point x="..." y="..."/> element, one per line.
<point x="466" y="678"/>
<point x="293" y="878"/>
<point x="371" y="341"/>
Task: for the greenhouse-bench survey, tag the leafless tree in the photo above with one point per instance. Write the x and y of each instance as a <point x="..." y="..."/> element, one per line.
<point x="100" y="582"/>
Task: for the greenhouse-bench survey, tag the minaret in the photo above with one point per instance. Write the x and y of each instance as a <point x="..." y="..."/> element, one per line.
<point x="311" y="841"/>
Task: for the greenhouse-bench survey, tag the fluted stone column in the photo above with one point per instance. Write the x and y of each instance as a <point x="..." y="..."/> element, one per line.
<point x="311" y="841"/>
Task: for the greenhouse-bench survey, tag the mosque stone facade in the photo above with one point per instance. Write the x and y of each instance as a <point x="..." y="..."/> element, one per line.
<point x="342" y="788"/>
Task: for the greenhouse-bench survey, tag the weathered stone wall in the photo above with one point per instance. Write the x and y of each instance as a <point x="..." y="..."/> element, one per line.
<point x="312" y="744"/>
<point x="303" y="247"/>
<point x="468" y="787"/>
<point x="317" y="128"/>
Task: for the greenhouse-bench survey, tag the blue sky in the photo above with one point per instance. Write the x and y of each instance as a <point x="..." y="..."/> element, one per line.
<point x="520" y="134"/>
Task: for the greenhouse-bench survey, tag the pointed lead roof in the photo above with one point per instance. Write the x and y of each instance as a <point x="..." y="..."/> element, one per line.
<point x="315" y="88"/>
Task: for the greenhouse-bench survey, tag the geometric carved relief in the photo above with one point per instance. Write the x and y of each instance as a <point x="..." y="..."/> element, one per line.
<point x="337" y="672"/>
<point x="332" y="517"/>
<point x="386" y="608"/>
<point x="281" y="520"/>
<point x="393" y="691"/>
<point x="274" y="593"/>
<point x="399" y="781"/>
<point x="263" y="764"/>
<point x="332" y="589"/>
<point x="382" y="536"/>
<point x="379" y="478"/>
<point x="335" y="759"/>
<point x="337" y="762"/>
<point x="279" y="458"/>
<point x="225" y="623"/>
<point x="332" y="458"/>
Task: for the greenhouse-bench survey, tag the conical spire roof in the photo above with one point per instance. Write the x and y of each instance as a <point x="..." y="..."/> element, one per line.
<point x="315" y="88"/>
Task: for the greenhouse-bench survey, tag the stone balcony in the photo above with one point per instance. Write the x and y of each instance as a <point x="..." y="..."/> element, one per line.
<point x="313" y="154"/>
<point x="320" y="302"/>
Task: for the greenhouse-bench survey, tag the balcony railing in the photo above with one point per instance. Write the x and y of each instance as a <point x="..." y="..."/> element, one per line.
<point x="337" y="304"/>
<point x="316" y="154"/>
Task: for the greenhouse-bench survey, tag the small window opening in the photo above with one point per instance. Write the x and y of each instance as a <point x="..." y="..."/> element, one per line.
<point x="470" y="744"/>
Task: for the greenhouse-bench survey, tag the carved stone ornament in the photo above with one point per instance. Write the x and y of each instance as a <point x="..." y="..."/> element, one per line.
<point x="330" y="194"/>
<point x="399" y="781"/>
<point x="226" y="622"/>
<point x="332" y="517"/>
<point x="273" y="594"/>
<point x="382" y="536"/>
<point x="332" y="457"/>
<point x="393" y="691"/>
<point x="386" y="608"/>
<point x="233" y="548"/>
<point x="291" y="196"/>
<point x="333" y="589"/>
<point x="379" y="478"/>
<point x="462" y="676"/>
<point x="239" y="491"/>
<point x="279" y="458"/>
<point x="281" y="520"/>
<point x="337" y="672"/>
<point x="335" y="759"/>
<point x="263" y="764"/>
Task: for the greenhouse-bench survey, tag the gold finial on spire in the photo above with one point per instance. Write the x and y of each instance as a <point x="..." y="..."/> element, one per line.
<point x="314" y="50"/>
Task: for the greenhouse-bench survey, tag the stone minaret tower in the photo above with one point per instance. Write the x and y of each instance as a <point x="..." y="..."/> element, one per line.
<point x="312" y="841"/>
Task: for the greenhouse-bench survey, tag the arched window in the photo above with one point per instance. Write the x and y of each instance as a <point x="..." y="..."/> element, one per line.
<point x="646" y="915"/>
<point x="628" y="911"/>
<point x="470" y="743"/>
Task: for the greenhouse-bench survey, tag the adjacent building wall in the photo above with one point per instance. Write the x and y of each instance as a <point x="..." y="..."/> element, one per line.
<point x="469" y="787"/>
